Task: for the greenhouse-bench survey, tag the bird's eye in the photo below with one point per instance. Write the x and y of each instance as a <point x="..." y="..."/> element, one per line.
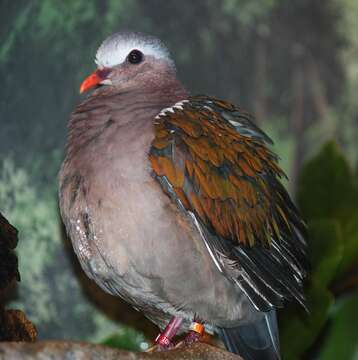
<point x="135" y="57"/>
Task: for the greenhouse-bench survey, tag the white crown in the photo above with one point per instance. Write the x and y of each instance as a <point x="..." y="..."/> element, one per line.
<point x="115" y="49"/>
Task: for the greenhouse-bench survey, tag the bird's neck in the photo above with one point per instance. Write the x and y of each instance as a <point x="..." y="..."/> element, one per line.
<point x="141" y="102"/>
<point x="100" y="119"/>
<point x="166" y="92"/>
<point x="155" y="99"/>
<point x="160" y="92"/>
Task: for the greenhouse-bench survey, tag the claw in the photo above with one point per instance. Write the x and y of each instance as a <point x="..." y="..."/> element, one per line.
<point x="158" y="348"/>
<point x="192" y="337"/>
<point x="164" y="341"/>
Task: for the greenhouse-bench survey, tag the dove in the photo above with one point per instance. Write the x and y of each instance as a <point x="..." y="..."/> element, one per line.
<point x="174" y="203"/>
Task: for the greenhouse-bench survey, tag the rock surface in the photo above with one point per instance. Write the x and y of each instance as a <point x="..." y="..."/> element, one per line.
<point x="54" y="350"/>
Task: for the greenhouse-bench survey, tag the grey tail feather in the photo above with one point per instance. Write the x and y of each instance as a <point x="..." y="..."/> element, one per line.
<point x="254" y="341"/>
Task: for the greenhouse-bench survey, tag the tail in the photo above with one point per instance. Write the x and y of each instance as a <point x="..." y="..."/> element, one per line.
<point x="257" y="340"/>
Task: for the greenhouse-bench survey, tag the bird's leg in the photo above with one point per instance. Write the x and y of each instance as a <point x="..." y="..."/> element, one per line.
<point x="164" y="339"/>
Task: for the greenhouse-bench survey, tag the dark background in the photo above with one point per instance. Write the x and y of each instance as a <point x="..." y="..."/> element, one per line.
<point x="293" y="63"/>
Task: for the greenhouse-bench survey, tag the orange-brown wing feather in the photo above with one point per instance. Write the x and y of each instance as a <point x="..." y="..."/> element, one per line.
<point x="218" y="172"/>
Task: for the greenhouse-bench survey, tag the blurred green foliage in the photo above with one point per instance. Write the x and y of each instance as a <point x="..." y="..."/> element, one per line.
<point x="127" y="339"/>
<point x="327" y="196"/>
<point x="327" y="186"/>
<point x="341" y="340"/>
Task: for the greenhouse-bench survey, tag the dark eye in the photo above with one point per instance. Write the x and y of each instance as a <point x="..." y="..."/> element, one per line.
<point x="135" y="57"/>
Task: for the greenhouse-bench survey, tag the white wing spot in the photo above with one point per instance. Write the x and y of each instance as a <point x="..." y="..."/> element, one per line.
<point x="176" y="106"/>
<point x="207" y="108"/>
<point x="235" y="123"/>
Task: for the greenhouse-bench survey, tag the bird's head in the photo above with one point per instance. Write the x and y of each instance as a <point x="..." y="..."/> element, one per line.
<point x="128" y="60"/>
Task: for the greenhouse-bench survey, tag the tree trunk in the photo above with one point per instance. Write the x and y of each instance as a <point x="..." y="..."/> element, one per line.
<point x="260" y="79"/>
<point x="317" y="89"/>
<point x="53" y="350"/>
<point x="297" y="120"/>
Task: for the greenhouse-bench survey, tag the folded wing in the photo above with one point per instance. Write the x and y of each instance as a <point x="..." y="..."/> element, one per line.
<point x="214" y="163"/>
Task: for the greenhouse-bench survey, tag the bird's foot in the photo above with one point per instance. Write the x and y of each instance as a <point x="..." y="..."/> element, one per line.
<point x="192" y="337"/>
<point x="195" y="334"/>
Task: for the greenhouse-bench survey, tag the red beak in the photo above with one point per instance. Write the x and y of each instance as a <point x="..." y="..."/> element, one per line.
<point x="94" y="79"/>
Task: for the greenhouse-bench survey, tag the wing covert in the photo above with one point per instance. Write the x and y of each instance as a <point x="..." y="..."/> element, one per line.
<point x="214" y="162"/>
